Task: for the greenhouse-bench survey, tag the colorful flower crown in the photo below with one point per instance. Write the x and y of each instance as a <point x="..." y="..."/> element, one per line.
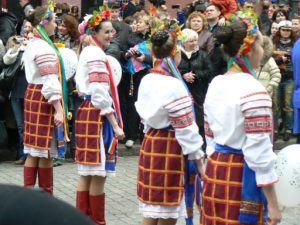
<point x="248" y="17"/>
<point x="98" y="16"/>
<point x="48" y="15"/>
<point x="168" y="27"/>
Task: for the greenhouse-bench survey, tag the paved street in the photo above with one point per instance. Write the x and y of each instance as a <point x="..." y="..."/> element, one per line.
<point x="122" y="205"/>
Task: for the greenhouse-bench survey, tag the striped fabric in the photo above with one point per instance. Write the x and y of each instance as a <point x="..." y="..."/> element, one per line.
<point x="47" y="64"/>
<point x="181" y="112"/>
<point x="38" y="119"/>
<point x="257" y="108"/>
<point x="222" y="191"/>
<point x="87" y="132"/>
<point x="97" y="71"/>
<point x="161" y="169"/>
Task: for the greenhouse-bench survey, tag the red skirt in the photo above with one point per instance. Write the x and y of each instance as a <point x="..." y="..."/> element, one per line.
<point x="38" y="119"/>
<point x="222" y="190"/>
<point x="161" y="169"/>
<point x="88" y="125"/>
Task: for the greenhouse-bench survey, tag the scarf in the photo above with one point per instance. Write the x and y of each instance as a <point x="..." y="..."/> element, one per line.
<point x="189" y="53"/>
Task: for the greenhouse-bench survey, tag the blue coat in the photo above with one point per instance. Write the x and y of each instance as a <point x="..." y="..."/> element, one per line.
<point x="296" y="97"/>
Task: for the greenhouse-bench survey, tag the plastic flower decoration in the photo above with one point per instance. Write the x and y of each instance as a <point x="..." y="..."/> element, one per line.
<point x="173" y="28"/>
<point x="97" y="17"/>
<point x="249" y="17"/>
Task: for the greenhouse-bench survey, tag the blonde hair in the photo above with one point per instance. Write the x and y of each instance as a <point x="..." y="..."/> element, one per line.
<point x="189" y="35"/>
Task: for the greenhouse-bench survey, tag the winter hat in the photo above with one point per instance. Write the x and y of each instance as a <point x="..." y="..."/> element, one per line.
<point x="285" y="24"/>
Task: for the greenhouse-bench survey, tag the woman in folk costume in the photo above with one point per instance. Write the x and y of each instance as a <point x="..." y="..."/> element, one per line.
<point x="240" y="172"/>
<point x="171" y="138"/>
<point x="42" y="102"/>
<point x="97" y="129"/>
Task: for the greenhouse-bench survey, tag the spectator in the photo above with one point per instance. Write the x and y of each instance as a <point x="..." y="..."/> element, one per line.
<point x="16" y="47"/>
<point x="296" y="26"/>
<point x="279" y="15"/>
<point x="131" y="21"/>
<point x="26" y="6"/>
<point x="227" y="7"/>
<point x="284" y="5"/>
<point x="75" y="11"/>
<point x="283" y="44"/>
<point x="197" y="22"/>
<point x="28" y="28"/>
<point x="274" y="30"/>
<point x="247" y="5"/>
<point x="115" y="12"/>
<point x="296" y="96"/>
<point x="131" y="8"/>
<point x="268" y="73"/>
<point x="213" y="14"/>
<point x="264" y="17"/>
<point x="196" y="70"/>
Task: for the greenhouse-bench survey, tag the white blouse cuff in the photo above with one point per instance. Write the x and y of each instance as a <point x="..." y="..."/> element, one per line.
<point x="196" y="155"/>
<point x="266" y="177"/>
<point x="106" y="111"/>
<point x="54" y="98"/>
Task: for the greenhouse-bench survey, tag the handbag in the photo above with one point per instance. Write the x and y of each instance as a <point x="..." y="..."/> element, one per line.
<point x="9" y="74"/>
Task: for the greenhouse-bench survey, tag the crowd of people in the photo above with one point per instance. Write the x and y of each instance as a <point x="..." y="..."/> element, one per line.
<point x="170" y="94"/>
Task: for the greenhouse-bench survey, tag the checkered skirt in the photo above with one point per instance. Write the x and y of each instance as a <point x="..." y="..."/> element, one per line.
<point x="38" y="119"/>
<point x="222" y="190"/>
<point x="87" y="132"/>
<point x="161" y="169"/>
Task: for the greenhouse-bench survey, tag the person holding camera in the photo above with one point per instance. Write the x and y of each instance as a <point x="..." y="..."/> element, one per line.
<point x="283" y="44"/>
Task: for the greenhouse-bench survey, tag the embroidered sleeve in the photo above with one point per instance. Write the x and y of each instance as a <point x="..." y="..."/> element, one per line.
<point x="47" y="64"/>
<point x="99" y="86"/>
<point x="257" y="112"/>
<point x="186" y="131"/>
<point x="97" y="72"/>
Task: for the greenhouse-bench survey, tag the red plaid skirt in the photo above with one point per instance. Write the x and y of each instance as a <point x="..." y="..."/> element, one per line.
<point x="161" y="169"/>
<point x="38" y="119"/>
<point x="222" y="190"/>
<point x="88" y="125"/>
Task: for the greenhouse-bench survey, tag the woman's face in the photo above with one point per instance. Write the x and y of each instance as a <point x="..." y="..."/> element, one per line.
<point x="274" y="29"/>
<point x="51" y="26"/>
<point x="191" y="45"/>
<point x="196" y="24"/>
<point x="133" y="26"/>
<point x="280" y="17"/>
<point x="296" y="25"/>
<point x="256" y="55"/>
<point x="285" y="33"/>
<point x="62" y="29"/>
<point x="270" y="12"/>
<point x="141" y="26"/>
<point x="28" y="27"/>
<point x="105" y="34"/>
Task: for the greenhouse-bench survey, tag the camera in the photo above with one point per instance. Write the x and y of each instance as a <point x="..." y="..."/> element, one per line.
<point x="137" y="54"/>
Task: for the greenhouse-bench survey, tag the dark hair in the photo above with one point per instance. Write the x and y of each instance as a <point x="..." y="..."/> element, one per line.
<point x="232" y="37"/>
<point x="216" y="7"/>
<point x="36" y="17"/>
<point x="129" y="20"/>
<point x="73" y="9"/>
<point x="162" y="44"/>
<point x="97" y="28"/>
<point x="277" y="37"/>
<point x="71" y="24"/>
<point x="279" y="11"/>
<point x="65" y="8"/>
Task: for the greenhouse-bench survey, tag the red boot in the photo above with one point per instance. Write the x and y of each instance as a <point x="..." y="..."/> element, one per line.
<point x="46" y="179"/>
<point x="30" y="176"/>
<point x="82" y="201"/>
<point x="97" y="207"/>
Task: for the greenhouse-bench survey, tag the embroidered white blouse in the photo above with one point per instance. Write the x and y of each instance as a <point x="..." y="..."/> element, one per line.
<point x="238" y="113"/>
<point x="164" y="101"/>
<point x="41" y="67"/>
<point x="92" y="78"/>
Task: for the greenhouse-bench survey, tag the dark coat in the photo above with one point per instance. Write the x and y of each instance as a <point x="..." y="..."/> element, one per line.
<point x="129" y="10"/>
<point x="200" y="64"/>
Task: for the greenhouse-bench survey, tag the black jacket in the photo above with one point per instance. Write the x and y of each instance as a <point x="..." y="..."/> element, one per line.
<point x="199" y="64"/>
<point x="129" y="10"/>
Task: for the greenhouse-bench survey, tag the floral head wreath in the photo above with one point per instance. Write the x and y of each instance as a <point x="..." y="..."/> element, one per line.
<point x="48" y="14"/>
<point x="248" y="17"/>
<point x="163" y="30"/>
<point x="103" y="14"/>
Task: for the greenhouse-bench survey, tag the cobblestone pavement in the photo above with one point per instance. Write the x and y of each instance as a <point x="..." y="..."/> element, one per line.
<point x="121" y="202"/>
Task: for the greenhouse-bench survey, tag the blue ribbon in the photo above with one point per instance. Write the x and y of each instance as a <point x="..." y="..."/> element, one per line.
<point x="250" y="191"/>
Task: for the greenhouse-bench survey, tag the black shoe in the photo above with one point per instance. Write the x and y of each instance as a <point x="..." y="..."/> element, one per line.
<point x="286" y="136"/>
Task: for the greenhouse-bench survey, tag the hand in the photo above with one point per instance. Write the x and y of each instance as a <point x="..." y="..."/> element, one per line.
<point x="274" y="214"/>
<point x="189" y="77"/>
<point x="284" y="59"/>
<point x="221" y="22"/>
<point x="141" y="58"/>
<point x="119" y="133"/>
<point x="58" y="119"/>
